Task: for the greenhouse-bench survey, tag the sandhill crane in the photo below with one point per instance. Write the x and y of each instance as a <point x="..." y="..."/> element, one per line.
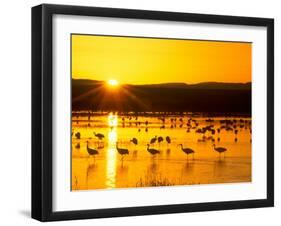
<point x="91" y="151"/>
<point x="160" y="139"/>
<point x="168" y="139"/>
<point x="122" y="151"/>
<point x="100" y="136"/>
<point x="153" y="140"/>
<point x="134" y="141"/>
<point x="220" y="150"/>
<point x="78" y="135"/>
<point x="152" y="150"/>
<point x="201" y="140"/>
<point x="236" y="132"/>
<point x="77" y="146"/>
<point x="187" y="151"/>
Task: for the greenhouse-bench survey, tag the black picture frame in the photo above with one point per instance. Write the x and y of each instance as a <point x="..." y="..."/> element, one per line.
<point x="42" y="197"/>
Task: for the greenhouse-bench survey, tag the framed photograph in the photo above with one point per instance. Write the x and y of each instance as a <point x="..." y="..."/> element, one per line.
<point x="145" y="112"/>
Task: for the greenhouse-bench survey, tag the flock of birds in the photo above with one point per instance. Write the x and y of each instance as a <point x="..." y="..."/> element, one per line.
<point x="152" y="151"/>
<point x="207" y="131"/>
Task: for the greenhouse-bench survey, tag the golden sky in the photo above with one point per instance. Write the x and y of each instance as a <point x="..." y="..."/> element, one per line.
<point x="146" y="61"/>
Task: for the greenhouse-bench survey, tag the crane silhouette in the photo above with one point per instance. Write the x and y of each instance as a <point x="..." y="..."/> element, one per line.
<point x="153" y="140"/>
<point x="78" y="135"/>
<point x="134" y="141"/>
<point x="168" y="139"/>
<point x="220" y="150"/>
<point x="100" y="136"/>
<point x="91" y="151"/>
<point x="77" y="146"/>
<point x="160" y="139"/>
<point x="152" y="150"/>
<point x="122" y="151"/>
<point x="187" y="151"/>
<point x="236" y="132"/>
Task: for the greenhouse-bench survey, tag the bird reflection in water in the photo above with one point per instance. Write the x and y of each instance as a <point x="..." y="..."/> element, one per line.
<point x="122" y="170"/>
<point x="91" y="171"/>
<point x="122" y="174"/>
<point x="135" y="154"/>
<point x="152" y="168"/>
<point x="188" y="167"/>
<point x="219" y="166"/>
<point x="168" y="152"/>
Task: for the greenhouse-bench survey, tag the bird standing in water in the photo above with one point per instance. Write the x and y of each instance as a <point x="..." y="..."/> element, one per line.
<point x="220" y="150"/>
<point x="91" y="151"/>
<point x="160" y="139"/>
<point x="134" y="141"/>
<point x="168" y="139"/>
<point x="187" y="151"/>
<point x="153" y="140"/>
<point x="152" y="150"/>
<point x="122" y="151"/>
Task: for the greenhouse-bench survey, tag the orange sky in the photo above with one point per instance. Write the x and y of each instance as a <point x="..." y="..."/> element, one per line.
<point x="146" y="61"/>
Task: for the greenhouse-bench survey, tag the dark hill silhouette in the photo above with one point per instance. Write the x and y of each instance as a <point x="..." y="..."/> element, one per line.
<point x="202" y="85"/>
<point x="201" y="97"/>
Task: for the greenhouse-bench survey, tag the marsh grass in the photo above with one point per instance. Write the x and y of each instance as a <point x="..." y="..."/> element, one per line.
<point x="154" y="181"/>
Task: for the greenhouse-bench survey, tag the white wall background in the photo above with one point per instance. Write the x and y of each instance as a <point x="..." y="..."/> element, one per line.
<point x="15" y="103"/>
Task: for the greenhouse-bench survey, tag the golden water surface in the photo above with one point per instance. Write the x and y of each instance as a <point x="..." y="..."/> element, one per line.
<point x="108" y="169"/>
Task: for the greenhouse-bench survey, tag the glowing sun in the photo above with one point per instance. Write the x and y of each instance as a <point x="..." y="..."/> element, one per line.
<point x="113" y="82"/>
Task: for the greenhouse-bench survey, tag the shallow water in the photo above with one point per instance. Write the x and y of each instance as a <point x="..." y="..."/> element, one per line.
<point x="171" y="166"/>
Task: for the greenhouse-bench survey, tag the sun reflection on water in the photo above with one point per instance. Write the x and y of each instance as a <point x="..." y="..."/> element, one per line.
<point x="112" y="120"/>
<point x="111" y="151"/>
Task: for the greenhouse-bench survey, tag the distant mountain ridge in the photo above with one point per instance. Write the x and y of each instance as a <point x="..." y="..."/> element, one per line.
<point x="173" y="97"/>
<point x="201" y="85"/>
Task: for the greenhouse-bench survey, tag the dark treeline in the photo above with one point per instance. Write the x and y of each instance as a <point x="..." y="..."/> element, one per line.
<point x="170" y="97"/>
